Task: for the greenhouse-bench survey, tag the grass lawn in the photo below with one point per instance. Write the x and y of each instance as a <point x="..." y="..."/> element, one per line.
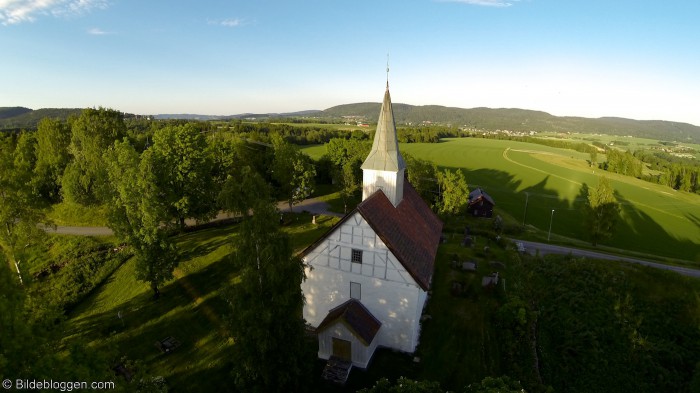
<point x="189" y="309"/>
<point x="457" y="345"/>
<point x="314" y="151"/>
<point x="655" y="219"/>
<point x="73" y="214"/>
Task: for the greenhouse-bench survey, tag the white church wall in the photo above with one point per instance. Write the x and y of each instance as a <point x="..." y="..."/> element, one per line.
<point x="387" y="290"/>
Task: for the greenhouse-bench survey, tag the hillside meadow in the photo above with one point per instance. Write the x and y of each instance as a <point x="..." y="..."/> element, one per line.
<point x="489" y="329"/>
<point x="656" y="219"/>
<point x="121" y="317"/>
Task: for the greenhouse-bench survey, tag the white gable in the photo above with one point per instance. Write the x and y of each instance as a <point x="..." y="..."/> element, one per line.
<point x="378" y="261"/>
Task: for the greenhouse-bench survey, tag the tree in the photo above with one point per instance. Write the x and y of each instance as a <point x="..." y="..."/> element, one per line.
<point x="182" y="166"/>
<point x="240" y="191"/>
<point x="347" y="156"/>
<point x="32" y="345"/>
<point x="602" y="212"/>
<point x="350" y="179"/>
<point x="403" y="385"/>
<point x="19" y="208"/>
<point x="695" y="381"/>
<point x="84" y="179"/>
<point x="496" y="385"/>
<point x="156" y="259"/>
<point x="52" y="157"/>
<point x="293" y="171"/>
<point x="454" y="191"/>
<point x="270" y="352"/>
<point x="594" y="157"/>
<point x="341" y="151"/>
<point x="136" y="213"/>
<point x="422" y="174"/>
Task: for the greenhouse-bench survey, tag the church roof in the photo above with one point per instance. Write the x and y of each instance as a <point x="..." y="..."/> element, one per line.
<point x="356" y="317"/>
<point x="385" y="155"/>
<point x="410" y="230"/>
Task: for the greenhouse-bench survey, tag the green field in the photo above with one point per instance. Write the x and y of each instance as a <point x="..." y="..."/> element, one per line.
<point x="656" y="219"/>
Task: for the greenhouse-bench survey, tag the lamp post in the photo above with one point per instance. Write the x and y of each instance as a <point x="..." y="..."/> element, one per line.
<point x="551" y="218"/>
<point x="527" y="197"/>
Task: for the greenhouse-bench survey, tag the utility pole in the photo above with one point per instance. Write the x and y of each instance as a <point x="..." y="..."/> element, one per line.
<point x="549" y="236"/>
<point x="527" y="197"/>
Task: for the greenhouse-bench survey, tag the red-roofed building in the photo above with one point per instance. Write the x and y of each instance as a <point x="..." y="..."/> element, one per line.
<point x="368" y="276"/>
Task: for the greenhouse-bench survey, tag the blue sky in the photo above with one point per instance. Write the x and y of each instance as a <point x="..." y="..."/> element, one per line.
<point x="636" y="59"/>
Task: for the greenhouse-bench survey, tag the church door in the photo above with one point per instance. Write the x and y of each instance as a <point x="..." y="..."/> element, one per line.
<point x="342" y="349"/>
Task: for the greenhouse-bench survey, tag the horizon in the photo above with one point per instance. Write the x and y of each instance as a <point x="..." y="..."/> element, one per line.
<point x="593" y="59"/>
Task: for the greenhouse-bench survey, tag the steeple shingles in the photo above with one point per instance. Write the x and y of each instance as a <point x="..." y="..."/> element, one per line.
<point x="385" y="155"/>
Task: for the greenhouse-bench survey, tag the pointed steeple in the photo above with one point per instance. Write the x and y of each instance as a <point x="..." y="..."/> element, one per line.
<point x="385" y="155"/>
<point x="384" y="167"/>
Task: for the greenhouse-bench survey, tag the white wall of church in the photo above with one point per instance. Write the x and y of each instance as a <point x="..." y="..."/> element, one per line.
<point x="387" y="290"/>
<point x="360" y="354"/>
<point x="391" y="183"/>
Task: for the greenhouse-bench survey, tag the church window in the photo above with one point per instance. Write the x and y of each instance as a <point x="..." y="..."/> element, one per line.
<point x="355" y="290"/>
<point x="356" y="256"/>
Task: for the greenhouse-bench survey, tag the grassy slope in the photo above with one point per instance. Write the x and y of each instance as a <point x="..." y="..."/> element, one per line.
<point x="656" y="219"/>
<point x="459" y="344"/>
<point x="189" y="310"/>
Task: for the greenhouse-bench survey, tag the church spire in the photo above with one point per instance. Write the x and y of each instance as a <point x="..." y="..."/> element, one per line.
<point x="385" y="155"/>
<point x="384" y="167"/>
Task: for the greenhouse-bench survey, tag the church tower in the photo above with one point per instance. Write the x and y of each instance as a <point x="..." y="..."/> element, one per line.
<point x="384" y="167"/>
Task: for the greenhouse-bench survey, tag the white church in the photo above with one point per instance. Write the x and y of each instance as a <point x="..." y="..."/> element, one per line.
<point x="369" y="276"/>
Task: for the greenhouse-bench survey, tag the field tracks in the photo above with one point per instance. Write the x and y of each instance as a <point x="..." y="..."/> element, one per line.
<point x="505" y="156"/>
<point x="630" y="202"/>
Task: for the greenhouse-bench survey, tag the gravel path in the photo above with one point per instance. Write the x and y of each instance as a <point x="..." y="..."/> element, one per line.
<point x="532" y="247"/>
<point x="312" y="205"/>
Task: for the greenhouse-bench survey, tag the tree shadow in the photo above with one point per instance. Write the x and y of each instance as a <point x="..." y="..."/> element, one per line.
<point x="638" y="231"/>
<point x="190" y="310"/>
<point x="533" y="206"/>
<point x="196" y="244"/>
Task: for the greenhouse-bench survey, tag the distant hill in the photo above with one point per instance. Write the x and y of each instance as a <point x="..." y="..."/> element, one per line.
<point x="14" y="118"/>
<point x="19" y="118"/>
<point x="6" y="113"/>
<point x="520" y="120"/>
<point x="312" y="112"/>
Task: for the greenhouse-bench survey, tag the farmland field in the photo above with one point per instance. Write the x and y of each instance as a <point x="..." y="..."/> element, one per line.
<point x="655" y="219"/>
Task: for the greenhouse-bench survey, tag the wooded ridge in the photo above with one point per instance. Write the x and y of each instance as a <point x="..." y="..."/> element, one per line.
<point x="489" y="119"/>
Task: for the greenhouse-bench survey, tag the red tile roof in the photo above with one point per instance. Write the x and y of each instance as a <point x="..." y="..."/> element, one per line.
<point x="410" y="230"/>
<point x="356" y="317"/>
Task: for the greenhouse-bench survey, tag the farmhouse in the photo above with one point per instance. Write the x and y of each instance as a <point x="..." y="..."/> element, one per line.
<point x="368" y="277"/>
<point x="480" y="204"/>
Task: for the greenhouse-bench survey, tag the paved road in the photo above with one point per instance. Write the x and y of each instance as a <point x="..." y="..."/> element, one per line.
<point x="312" y="205"/>
<point x="532" y="247"/>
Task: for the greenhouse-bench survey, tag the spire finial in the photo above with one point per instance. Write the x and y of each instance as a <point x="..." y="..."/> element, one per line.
<point x="387" y="70"/>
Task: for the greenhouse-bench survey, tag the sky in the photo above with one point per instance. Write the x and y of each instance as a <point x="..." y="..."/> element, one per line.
<point x="636" y="59"/>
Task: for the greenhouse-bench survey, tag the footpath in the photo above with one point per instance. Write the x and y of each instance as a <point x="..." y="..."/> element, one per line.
<point x="311" y="205"/>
